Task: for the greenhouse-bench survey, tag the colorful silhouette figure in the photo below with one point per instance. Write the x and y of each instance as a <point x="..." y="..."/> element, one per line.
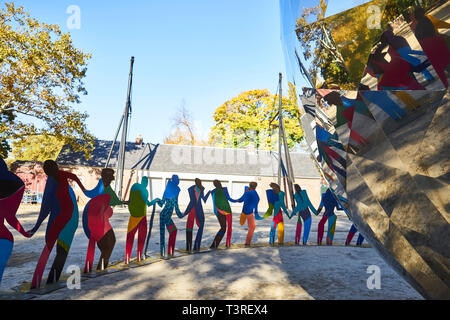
<point x="275" y="198"/>
<point x="302" y="208"/>
<point x="11" y="193"/>
<point x="402" y="47"/>
<point x="330" y="203"/>
<point x="170" y="203"/>
<point x="345" y="109"/>
<point x="64" y="242"/>
<point x="433" y="44"/>
<point x="96" y="217"/>
<point x="382" y="100"/>
<point x="137" y="206"/>
<point x="60" y="203"/>
<point x="195" y="213"/>
<point x="249" y="213"/>
<point x="351" y="234"/>
<point x="222" y="209"/>
<point x="324" y="143"/>
<point x="392" y="75"/>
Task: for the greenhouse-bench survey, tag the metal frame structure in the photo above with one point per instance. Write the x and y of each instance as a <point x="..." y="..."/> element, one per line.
<point x="288" y="176"/>
<point x="124" y="120"/>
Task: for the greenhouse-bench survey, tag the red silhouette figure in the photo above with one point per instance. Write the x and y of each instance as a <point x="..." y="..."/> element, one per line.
<point x="57" y="203"/>
<point x="11" y="193"/>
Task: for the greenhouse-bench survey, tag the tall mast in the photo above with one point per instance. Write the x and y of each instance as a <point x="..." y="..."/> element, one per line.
<point x="120" y="168"/>
<point x="288" y="164"/>
<point x="279" y="127"/>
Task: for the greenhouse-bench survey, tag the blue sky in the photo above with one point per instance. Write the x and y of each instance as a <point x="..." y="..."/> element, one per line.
<point x="201" y="51"/>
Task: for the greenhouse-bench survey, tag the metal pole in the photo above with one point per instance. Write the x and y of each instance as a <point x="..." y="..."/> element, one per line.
<point x="114" y="142"/>
<point x="279" y="130"/>
<point x="149" y="234"/>
<point x="304" y="71"/>
<point x="123" y="142"/>
<point x="289" y="177"/>
<point x="288" y="163"/>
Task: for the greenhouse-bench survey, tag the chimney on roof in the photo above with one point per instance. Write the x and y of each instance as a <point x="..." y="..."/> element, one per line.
<point x="139" y="140"/>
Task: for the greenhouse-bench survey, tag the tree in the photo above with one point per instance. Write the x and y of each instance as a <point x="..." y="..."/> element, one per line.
<point x="395" y="8"/>
<point x="319" y="47"/>
<point x="179" y="136"/>
<point x="41" y="76"/>
<point x="36" y="148"/>
<point x="5" y="117"/>
<point x="183" y="120"/>
<point x="244" y="120"/>
<point x="355" y="32"/>
<point x="339" y="46"/>
<point x="184" y="133"/>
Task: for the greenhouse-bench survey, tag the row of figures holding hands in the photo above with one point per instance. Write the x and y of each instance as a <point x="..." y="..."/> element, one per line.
<point x="222" y="209"/>
<point x="59" y="205"/>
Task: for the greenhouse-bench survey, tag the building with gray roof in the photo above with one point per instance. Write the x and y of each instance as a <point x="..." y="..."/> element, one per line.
<point x="234" y="167"/>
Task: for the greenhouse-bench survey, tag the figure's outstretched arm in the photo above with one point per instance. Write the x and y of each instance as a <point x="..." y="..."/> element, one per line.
<point x="154" y="202"/>
<point x="241" y="199"/>
<point x="310" y="204"/>
<point x="73" y="177"/>
<point x="43" y="214"/>
<point x="205" y="197"/>
<point x="13" y="222"/>
<point x="189" y="207"/>
<point x="283" y="206"/>
<point x="257" y="216"/>
<point x="269" y="211"/>
<point x="177" y="210"/>
<point x="49" y="194"/>
<point x="297" y="206"/>
<point x="319" y="210"/>
<point x="294" y="212"/>
<point x="160" y="202"/>
<point x="115" y="201"/>
<point x="227" y="195"/>
<point x="96" y="191"/>
<point x="320" y="207"/>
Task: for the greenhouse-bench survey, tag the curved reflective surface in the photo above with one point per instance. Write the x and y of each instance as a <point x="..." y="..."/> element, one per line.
<point x="373" y="85"/>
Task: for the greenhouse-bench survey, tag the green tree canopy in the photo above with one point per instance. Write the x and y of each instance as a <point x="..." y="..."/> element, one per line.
<point x="338" y="47"/>
<point x="395" y="8"/>
<point x="355" y="32"/>
<point x="319" y="47"/>
<point x="36" y="148"/>
<point x="41" y="76"/>
<point x="244" y="120"/>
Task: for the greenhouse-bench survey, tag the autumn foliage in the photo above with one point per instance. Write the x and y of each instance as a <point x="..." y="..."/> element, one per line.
<point x="41" y="79"/>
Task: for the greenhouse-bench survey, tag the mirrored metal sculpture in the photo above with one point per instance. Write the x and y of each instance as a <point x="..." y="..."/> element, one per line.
<point x="373" y="84"/>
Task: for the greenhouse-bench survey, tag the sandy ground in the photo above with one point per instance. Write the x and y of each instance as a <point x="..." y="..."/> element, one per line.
<point x="295" y="272"/>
